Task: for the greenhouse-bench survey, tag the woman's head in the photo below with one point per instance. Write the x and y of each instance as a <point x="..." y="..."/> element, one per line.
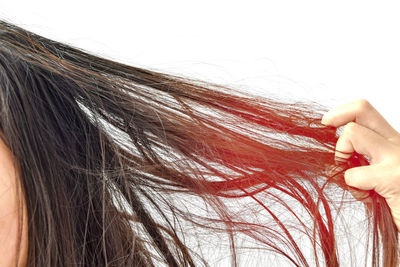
<point x="51" y="115"/>
<point x="106" y="152"/>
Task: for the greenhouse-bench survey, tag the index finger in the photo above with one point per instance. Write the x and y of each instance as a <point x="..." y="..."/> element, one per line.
<point x="361" y="112"/>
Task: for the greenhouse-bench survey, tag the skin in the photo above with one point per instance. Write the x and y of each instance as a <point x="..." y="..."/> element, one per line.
<point x="9" y="213"/>
<point x="368" y="133"/>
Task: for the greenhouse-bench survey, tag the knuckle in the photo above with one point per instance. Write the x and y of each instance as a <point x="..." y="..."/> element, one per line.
<point x="363" y="104"/>
<point x="350" y="129"/>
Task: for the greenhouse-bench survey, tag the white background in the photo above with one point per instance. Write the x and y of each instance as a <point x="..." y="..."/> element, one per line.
<point x="333" y="52"/>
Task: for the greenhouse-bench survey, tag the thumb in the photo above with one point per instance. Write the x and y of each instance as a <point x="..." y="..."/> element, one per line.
<point x="363" y="177"/>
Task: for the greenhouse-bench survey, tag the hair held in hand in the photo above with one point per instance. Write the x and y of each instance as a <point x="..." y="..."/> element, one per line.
<point x="121" y="165"/>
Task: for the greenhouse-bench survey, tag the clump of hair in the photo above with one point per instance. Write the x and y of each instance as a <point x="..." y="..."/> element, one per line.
<point x="119" y="165"/>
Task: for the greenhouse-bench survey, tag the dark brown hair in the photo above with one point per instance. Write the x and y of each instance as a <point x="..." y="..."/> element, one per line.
<point x="114" y="159"/>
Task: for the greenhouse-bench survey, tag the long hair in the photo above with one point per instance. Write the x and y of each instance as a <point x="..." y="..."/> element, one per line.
<point x="115" y="162"/>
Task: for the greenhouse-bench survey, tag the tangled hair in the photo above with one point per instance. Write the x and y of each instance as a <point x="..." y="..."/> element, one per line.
<point x="119" y="165"/>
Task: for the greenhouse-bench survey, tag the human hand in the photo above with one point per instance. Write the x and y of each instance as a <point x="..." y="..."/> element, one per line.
<point x="368" y="133"/>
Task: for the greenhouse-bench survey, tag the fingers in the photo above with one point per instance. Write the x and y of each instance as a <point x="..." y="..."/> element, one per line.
<point x="383" y="178"/>
<point x="357" y="138"/>
<point x="364" y="177"/>
<point x="361" y="112"/>
<point x="381" y="175"/>
<point x="357" y="194"/>
<point x="368" y="133"/>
